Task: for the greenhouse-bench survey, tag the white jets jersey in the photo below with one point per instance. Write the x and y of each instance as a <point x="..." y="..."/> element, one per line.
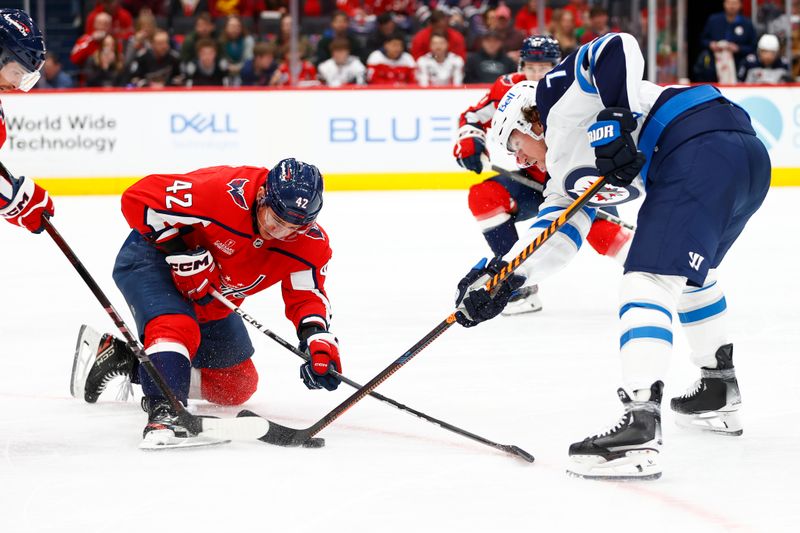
<point x="433" y="73"/>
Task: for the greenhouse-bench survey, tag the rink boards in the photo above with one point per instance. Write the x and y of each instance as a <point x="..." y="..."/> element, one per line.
<point x="99" y="142"/>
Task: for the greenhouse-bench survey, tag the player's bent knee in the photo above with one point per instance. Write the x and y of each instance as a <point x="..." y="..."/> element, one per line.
<point x="487" y="199"/>
<point x="180" y="329"/>
<point x="233" y="385"/>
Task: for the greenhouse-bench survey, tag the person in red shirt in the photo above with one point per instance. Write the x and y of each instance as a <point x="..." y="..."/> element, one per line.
<point x="22" y="55"/>
<point x="438" y="23"/>
<point x="238" y="230"/>
<point x="121" y="18"/>
<point x="391" y="65"/>
<point x="90" y="42"/>
<point x="527" y="19"/>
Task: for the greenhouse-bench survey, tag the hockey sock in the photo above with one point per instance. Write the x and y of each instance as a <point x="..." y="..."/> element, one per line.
<point x="501" y="238"/>
<point x="702" y="312"/>
<point x="645" y="316"/>
<point x="233" y="385"/>
<point x="172" y="361"/>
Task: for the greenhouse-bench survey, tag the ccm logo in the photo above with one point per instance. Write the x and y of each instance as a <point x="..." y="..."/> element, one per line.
<point x="23" y="202"/>
<point x="194" y="266"/>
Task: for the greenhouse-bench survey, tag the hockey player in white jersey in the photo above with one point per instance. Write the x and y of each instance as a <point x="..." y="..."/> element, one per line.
<point x="704" y="172"/>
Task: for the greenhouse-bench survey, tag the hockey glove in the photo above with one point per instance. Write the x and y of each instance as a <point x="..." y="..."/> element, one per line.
<point x="194" y="274"/>
<point x="469" y="148"/>
<point x="323" y="348"/>
<point x="616" y="155"/>
<point x="474" y="303"/>
<point x="29" y="204"/>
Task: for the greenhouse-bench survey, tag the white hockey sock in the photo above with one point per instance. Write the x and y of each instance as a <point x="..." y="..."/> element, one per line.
<point x="195" y="388"/>
<point x="645" y="343"/>
<point x="702" y="312"/>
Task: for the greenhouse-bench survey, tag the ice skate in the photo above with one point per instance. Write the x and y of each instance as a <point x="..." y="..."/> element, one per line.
<point x="98" y="360"/>
<point x="713" y="402"/>
<point x="164" y="430"/>
<point x="628" y="450"/>
<point x="525" y="300"/>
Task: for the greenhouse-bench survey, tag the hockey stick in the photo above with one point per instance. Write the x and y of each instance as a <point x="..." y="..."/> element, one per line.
<point x="519" y="177"/>
<point x="249" y="428"/>
<point x="285" y="436"/>
<point x="513" y="450"/>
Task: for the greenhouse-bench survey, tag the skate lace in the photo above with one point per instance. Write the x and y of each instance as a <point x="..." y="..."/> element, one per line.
<point x="694" y="389"/>
<point x="621" y="422"/>
<point x="125" y="390"/>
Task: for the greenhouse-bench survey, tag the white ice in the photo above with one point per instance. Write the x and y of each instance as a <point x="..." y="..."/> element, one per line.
<point x="538" y="381"/>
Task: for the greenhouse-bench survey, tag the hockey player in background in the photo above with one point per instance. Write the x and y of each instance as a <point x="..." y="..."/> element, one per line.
<point x="704" y="172"/>
<point x="22" y="54"/>
<point x="499" y="202"/>
<point x="239" y="230"/>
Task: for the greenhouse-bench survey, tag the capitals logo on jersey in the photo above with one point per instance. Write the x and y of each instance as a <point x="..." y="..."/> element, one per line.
<point x="20" y="27"/>
<point x="237" y="192"/>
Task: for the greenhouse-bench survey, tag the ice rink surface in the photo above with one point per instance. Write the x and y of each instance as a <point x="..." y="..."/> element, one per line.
<point x="539" y="381"/>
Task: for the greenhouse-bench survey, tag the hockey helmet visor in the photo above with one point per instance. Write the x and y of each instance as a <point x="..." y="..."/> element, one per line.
<point x="22" y="50"/>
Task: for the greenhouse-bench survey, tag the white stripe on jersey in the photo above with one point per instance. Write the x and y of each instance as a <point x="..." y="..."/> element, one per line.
<point x="159" y="221"/>
<point x="304" y="281"/>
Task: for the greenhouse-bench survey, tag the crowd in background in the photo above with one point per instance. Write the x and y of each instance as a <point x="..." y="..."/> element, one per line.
<point x="163" y="43"/>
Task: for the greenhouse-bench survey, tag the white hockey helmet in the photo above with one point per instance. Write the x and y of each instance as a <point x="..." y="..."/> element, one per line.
<point x="509" y="115"/>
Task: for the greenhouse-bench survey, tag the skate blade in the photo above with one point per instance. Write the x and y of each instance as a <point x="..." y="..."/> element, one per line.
<point x="166" y="440"/>
<point x="720" y="422"/>
<point x="637" y="465"/>
<point x="85" y="352"/>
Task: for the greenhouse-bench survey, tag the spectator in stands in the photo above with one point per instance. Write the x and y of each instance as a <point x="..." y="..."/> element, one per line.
<point x="203" y="29"/>
<point x="53" y="77"/>
<point x="339" y="30"/>
<point x="438" y="23"/>
<point x="260" y="70"/>
<point x="342" y="68"/>
<point x="498" y="20"/>
<point x="207" y="70"/>
<point x="562" y="28"/>
<point x="104" y="68"/>
<point x="485" y="65"/>
<point x="283" y="39"/>
<point x="766" y="66"/>
<point x="725" y="34"/>
<point x="185" y="8"/>
<point x="307" y="76"/>
<point x="121" y="19"/>
<point x="403" y="10"/>
<point x="157" y="67"/>
<point x="248" y="9"/>
<point x="598" y="24"/>
<point x="440" y="66"/>
<point x="236" y="46"/>
<point x="391" y="65"/>
<point x="579" y="10"/>
<point x="145" y="27"/>
<point x="88" y="43"/>
<point x="527" y="19"/>
<point x="385" y="26"/>
<point x="156" y="7"/>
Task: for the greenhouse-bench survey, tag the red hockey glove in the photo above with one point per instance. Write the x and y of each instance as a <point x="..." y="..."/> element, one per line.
<point x="469" y="148"/>
<point x="324" y="350"/>
<point x="29" y="205"/>
<point x="194" y="274"/>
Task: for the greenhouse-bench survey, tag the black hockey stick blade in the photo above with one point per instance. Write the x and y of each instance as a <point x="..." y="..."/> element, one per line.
<point x="519" y="452"/>
<point x="277" y="434"/>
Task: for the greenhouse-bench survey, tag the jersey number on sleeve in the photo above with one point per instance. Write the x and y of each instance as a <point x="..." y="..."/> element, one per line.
<point x="184" y="200"/>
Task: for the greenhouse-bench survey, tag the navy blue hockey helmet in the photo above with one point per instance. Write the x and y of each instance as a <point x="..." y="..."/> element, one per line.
<point x="540" y="49"/>
<point x="21" y="42"/>
<point x="294" y="191"/>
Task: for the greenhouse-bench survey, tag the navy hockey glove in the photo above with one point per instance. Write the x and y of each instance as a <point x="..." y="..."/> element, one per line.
<point x="323" y="348"/>
<point x="616" y="155"/>
<point x="469" y="148"/>
<point x="474" y="303"/>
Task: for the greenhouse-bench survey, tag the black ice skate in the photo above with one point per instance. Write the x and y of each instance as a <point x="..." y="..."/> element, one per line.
<point x="523" y="300"/>
<point x="98" y="360"/>
<point x="628" y="450"/>
<point x="712" y="403"/>
<point x="164" y="430"/>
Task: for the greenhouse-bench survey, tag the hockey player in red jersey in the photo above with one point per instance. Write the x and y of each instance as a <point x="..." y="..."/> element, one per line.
<point x="22" y="202"/>
<point x="239" y="230"/>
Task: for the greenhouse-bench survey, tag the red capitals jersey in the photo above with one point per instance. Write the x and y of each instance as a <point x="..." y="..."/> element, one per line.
<point x="2" y="126"/>
<point x="213" y="208"/>
<point x="480" y="115"/>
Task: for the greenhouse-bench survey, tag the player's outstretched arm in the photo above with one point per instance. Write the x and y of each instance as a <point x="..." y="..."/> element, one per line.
<point x="23" y="202"/>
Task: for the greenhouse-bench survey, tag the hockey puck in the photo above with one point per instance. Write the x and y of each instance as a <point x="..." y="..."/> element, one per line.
<point x="314" y="442"/>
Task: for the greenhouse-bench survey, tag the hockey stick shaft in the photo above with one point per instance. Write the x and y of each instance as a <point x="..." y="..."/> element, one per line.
<point x="288" y="436"/>
<point x="238" y="428"/>
<point x="260" y="327"/>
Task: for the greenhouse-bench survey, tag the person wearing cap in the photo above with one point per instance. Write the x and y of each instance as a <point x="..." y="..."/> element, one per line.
<point x="766" y="65"/>
<point x="22" y="55"/>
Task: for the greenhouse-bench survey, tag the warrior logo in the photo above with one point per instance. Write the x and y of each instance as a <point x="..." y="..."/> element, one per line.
<point x="237" y="192"/>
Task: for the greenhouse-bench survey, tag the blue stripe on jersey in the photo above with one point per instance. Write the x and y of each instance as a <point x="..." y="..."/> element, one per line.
<point x="596" y="44"/>
<point x="609" y="70"/>
<point x="666" y="113"/>
<point x="643" y="305"/>
<point x="704" y="312"/>
<point x="589" y="211"/>
<point x="567" y="229"/>
<point x="583" y="83"/>
<point x="700" y="289"/>
<point x="645" y="332"/>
